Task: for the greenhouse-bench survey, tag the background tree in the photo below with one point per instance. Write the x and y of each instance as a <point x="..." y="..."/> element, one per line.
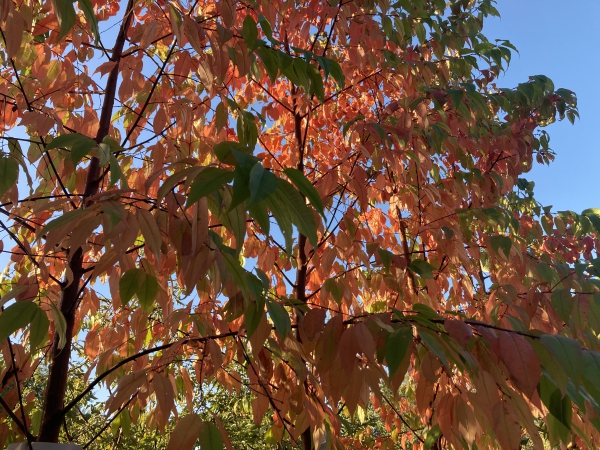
<point x="321" y="201"/>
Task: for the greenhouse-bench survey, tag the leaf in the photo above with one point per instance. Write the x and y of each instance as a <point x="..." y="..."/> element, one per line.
<point x="262" y="184"/>
<point x="206" y="182"/>
<point x="259" y="213"/>
<point x="333" y="287"/>
<point x="79" y="144"/>
<point x="147" y="291"/>
<point x="210" y="437"/>
<point x="558" y="405"/>
<point x="16" y="316"/>
<point x="282" y="216"/>
<point x="130" y="283"/>
<point x="432" y="437"/>
<point x="422" y="267"/>
<point x="13" y="293"/>
<point x="458" y="330"/>
<point x="88" y="11"/>
<point x="65" y="13"/>
<point x="506" y="426"/>
<point x="164" y="394"/>
<point x="238" y="273"/>
<point x="38" y="330"/>
<point x="64" y="219"/>
<point x="395" y="349"/>
<point x="150" y="231"/>
<point x="545" y="271"/>
<point x="306" y="188"/>
<point x="186" y="433"/>
<point x="433" y="344"/>
<point x="297" y="209"/>
<point x="501" y="242"/>
<point x="9" y="173"/>
<point x="13" y="33"/>
<point x="249" y="33"/>
<point x="562" y="302"/>
<point x="521" y="360"/>
<point x="60" y="325"/>
<point x="270" y="62"/>
<point x="568" y="353"/>
<point x="280" y="318"/>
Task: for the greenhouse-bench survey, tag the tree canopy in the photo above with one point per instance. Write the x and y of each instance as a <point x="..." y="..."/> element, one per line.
<point x="316" y="207"/>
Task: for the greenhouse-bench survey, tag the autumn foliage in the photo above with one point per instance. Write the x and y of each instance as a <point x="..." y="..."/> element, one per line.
<point x="323" y="201"/>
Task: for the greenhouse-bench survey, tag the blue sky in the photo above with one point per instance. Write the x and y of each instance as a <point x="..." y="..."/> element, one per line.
<point x="560" y="40"/>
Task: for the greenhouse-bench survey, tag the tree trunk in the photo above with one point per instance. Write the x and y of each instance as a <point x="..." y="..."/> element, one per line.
<point x="52" y="417"/>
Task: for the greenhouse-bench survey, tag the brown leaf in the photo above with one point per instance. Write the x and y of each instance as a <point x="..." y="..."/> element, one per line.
<point x="13" y="32"/>
<point x="150" y="231"/>
<point x="521" y="360"/>
<point x="164" y="396"/>
<point x="506" y="426"/>
<point x="186" y="432"/>
<point x="458" y="330"/>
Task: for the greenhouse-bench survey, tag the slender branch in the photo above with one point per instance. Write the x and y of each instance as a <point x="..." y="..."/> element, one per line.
<point x="16" y="420"/>
<point x="109" y="422"/>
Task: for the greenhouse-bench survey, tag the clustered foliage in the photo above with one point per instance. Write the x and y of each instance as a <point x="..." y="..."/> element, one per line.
<point x="308" y="214"/>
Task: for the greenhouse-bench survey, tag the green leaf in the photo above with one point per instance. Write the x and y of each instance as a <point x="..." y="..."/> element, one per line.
<point x="206" y="182"/>
<point x="262" y="184"/>
<point x="386" y="258"/>
<point x="282" y="216"/>
<point x="270" y="62"/>
<point x="562" y="302"/>
<point x="252" y="316"/>
<point x="315" y="82"/>
<point x="249" y="33"/>
<point x="189" y="173"/>
<point x="396" y="347"/>
<point x="432" y="437"/>
<point x="334" y="289"/>
<point x="545" y="271"/>
<point x="70" y="140"/>
<point x="210" y="437"/>
<point x="38" y="330"/>
<point x="301" y="216"/>
<point x="502" y="242"/>
<point x="238" y="273"/>
<point x="147" y="292"/>
<point x="223" y="150"/>
<point x="306" y="188"/>
<point x="63" y="220"/>
<point x="88" y="11"/>
<point x="568" y="353"/>
<point x="559" y="406"/>
<point x="16" y="316"/>
<point x="422" y="267"/>
<point x="266" y="27"/>
<point x="259" y="213"/>
<point x="116" y="173"/>
<point x="65" y="13"/>
<point x="130" y="283"/>
<point x="9" y="173"/>
<point x="60" y="325"/>
<point x="433" y="344"/>
<point x="280" y="318"/>
<point x="221" y="116"/>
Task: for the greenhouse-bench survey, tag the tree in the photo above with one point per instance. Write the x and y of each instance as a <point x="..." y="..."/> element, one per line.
<point x="321" y="201"/>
